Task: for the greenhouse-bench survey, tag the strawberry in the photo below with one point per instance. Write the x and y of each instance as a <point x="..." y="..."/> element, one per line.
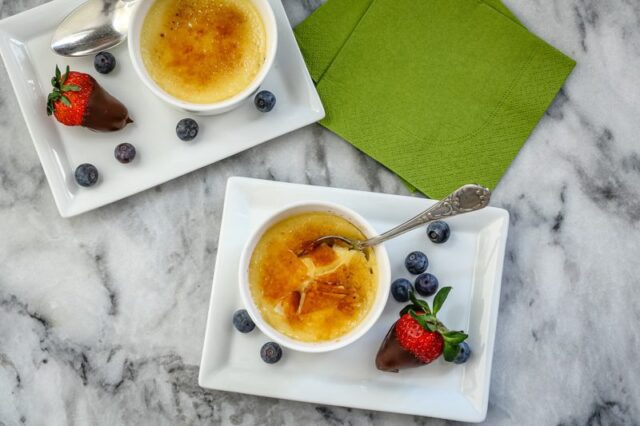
<point x="418" y="337"/>
<point x="423" y="344"/>
<point x="70" y="96"/>
<point x="78" y="100"/>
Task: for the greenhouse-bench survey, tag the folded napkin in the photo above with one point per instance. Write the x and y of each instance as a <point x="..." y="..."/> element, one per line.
<point x="442" y="92"/>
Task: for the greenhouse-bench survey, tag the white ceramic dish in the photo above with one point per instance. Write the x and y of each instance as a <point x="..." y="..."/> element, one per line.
<point x="262" y="6"/>
<point x="24" y="44"/>
<point x="384" y="277"/>
<point x="471" y="262"/>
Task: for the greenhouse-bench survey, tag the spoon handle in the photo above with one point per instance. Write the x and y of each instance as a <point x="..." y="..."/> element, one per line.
<point x="465" y="199"/>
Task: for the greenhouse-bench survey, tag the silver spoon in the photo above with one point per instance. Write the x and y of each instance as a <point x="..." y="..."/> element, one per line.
<point x="93" y="26"/>
<point x="465" y="199"/>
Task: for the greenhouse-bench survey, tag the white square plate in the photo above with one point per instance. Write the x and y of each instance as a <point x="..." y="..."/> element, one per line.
<point x="24" y="45"/>
<point x="471" y="262"/>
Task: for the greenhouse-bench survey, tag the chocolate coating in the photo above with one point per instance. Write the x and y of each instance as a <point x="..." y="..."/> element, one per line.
<point x="392" y="357"/>
<point x="105" y="113"/>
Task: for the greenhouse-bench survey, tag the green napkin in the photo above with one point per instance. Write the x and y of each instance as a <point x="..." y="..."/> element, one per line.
<point x="442" y="92"/>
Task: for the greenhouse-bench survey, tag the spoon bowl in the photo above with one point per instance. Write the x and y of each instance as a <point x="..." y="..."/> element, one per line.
<point x="94" y="26"/>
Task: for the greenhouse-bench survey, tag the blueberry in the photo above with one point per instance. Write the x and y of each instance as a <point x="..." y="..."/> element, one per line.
<point x="400" y="289"/>
<point x="426" y="284"/>
<point x="104" y="62"/>
<point x="265" y="101"/>
<point x="187" y="129"/>
<point x="271" y="352"/>
<point x="416" y="262"/>
<point x="464" y="352"/>
<point x="86" y="175"/>
<point x="125" y="153"/>
<point x="242" y="321"/>
<point x="438" y="231"/>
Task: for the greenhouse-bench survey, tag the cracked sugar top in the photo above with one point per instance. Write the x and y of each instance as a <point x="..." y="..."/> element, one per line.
<point x="320" y="296"/>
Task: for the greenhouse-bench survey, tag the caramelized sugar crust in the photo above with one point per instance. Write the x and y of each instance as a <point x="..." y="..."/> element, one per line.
<point x="320" y="296"/>
<point x="203" y="51"/>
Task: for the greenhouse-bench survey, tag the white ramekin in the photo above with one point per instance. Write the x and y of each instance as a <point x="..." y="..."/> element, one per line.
<point x="135" y="27"/>
<point x="382" y="293"/>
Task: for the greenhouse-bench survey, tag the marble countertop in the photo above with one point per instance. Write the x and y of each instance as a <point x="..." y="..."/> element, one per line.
<point x="102" y="316"/>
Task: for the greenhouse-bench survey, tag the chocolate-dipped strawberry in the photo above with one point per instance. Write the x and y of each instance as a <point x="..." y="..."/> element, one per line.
<point x="418" y="337"/>
<point x="78" y="100"/>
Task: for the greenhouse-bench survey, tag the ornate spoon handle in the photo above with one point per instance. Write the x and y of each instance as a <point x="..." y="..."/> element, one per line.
<point x="465" y="199"/>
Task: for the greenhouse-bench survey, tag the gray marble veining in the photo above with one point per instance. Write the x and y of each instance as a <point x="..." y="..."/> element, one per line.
<point x="102" y="316"/>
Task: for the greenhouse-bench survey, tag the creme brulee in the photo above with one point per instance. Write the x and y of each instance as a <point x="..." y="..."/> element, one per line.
<point x="203" y="51"/>
<point x="317" y="297"/>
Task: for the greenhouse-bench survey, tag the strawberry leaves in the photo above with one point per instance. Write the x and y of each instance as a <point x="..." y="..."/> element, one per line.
<point x="424" y="306"/>
<point x="424" y="315"/>
<point x="59" y="89"/>
<point x="450" y="351"/>
<point x="452" y="340"/>
<point x="428" y="322"/>
<point x="439" y="299"/>
<point x="416" y="305"/>
<point x="454" y="337"/>
<point x="408" y="308"/>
